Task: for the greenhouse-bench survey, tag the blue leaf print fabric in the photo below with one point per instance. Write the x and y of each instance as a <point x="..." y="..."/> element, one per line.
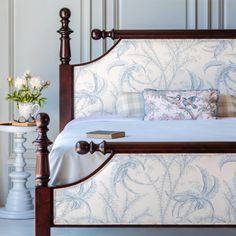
<point x="153" y="189"/>
<point x="169" y="64"/>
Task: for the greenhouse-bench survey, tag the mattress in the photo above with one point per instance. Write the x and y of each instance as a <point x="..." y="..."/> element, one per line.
<point x="67" y="166"/>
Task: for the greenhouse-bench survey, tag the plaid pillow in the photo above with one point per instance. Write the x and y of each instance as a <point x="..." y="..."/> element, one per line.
<point x="227" y="106"/>
<point x="130" y="104"/>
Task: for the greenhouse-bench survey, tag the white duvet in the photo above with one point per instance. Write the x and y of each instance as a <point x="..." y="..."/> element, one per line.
<point x="67" y="166"/>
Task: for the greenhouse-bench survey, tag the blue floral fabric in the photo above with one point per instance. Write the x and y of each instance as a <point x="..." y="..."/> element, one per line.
<point x="170" y="64"/>
<point x="153" y="189"/>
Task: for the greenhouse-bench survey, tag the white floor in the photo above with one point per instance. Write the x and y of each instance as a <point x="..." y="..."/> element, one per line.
<point x="26" y="228"/>
<point x="16" y="227"/>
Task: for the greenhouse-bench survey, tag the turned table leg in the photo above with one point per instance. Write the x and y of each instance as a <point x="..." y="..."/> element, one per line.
<point x="19" y="203"/>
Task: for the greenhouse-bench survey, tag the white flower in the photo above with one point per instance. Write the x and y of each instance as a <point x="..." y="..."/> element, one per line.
<point x="35" y="82"/>
<point x="19" y="82"/>
<point x="27" y="89"/>
<point x="27" y="74"/>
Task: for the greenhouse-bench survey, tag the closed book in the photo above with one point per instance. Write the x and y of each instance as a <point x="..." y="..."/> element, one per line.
<point x="15" y="123"/>
<point x="105" y="134"/>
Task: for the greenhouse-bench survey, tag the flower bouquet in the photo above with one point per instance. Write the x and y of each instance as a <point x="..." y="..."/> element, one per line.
<point x="26" y="91"/>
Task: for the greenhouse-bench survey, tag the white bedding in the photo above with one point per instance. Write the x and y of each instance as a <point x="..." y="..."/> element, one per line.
<point x="67" y="166"/>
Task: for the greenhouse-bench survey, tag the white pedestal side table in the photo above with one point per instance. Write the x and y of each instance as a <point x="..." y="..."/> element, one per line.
<point x="19" y="203"/>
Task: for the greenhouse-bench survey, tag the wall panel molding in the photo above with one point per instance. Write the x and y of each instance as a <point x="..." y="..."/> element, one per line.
<point x="209" y="13"/>
<point x="117" y="14"/>
<point x="104" y="23"/>
<point x="11" y="69"/>
<point x="85" y="29"/>
<point x="191" y="14"/>
<point x="215" y="6"/>
<point x="6" y="69"/>
<point x="221" y="14"/>
<point x="110" y="19"/>
<point x="11" y="39"/>
<point x="105" y="15"/>
<point x="98" y="20"/>
<point x="205" y="14"/>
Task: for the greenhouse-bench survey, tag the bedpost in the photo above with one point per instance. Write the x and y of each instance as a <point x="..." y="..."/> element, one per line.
<point x="66" y="71"/>
<point x="43" y="194"/>
<point x="42" y="142"/>
<point x="65" y="32"/>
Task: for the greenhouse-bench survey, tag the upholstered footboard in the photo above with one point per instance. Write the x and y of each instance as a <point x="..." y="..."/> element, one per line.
<point x="153" y="189"/>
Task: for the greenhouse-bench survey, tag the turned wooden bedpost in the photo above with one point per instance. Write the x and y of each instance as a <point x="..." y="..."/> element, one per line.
<point x="65" y="32"/>
<point x="43" y="194"/>
<point x="66" y="71"/>
<point x="42" y="142"/>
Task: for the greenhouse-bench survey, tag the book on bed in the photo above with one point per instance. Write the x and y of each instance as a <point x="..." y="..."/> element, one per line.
<point x="105" y="134"/>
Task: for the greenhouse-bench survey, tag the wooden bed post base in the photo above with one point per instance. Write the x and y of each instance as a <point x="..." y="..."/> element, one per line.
<point x="43" y="211"/>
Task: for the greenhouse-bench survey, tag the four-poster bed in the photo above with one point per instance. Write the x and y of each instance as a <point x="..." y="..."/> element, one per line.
<point x="154" y="175"/>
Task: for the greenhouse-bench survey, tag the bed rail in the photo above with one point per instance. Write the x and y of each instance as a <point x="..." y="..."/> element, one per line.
<point x="84" y="147"/>
<point x="97" y="34"/>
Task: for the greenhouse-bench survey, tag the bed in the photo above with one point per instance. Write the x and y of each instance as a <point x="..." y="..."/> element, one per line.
<point x="168" y="170"/>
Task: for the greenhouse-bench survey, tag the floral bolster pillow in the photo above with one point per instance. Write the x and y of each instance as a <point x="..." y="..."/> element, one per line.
<point x="180" y="104"/>
<point x="130" y="104"/>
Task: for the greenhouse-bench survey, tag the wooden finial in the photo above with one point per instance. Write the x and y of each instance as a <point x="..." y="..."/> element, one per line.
<point x="65" y="31"/>
<point x="83" y="147"/>
<point x="65" y="13"/>
<point x="97" y="34"/>
<point x="42" y="142"/>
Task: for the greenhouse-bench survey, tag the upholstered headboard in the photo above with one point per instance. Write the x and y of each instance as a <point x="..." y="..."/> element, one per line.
<point x="161" y="59"/>
<point x="165" y="64"/>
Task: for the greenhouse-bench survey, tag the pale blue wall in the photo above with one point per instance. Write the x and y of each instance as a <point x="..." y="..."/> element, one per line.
<point x="152" y="14"/>
<point x="230" y="14"/>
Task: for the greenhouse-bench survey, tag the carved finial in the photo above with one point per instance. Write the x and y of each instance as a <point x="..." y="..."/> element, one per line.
<point x="42" y="120"/>
<point x="65" y="13"/>
<point x="65" y="32"/>
<point x="83" y="147"/>
<point x="42" y="142"/>
<point x="97" y="34"/>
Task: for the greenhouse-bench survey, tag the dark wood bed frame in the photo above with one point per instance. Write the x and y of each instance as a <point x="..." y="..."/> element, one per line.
<point x="44" y="193"/>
